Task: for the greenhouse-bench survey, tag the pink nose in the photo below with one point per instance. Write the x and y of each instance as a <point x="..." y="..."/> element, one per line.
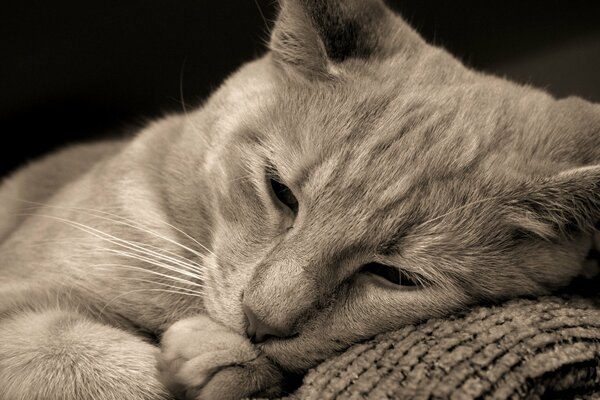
<point x="258" y="331"/>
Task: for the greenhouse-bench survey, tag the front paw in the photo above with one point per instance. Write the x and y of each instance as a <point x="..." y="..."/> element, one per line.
<point x="202" y="359"/>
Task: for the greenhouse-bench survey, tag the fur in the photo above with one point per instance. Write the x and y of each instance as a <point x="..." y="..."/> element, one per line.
<point x="397" y="153"/>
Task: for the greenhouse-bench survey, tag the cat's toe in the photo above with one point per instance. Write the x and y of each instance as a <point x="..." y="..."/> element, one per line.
<point x="201" y="359"/>
<point x="222" y="374"/>
<point x="257" y="378"/>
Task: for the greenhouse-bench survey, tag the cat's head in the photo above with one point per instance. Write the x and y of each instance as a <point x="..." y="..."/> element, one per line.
<point x="356" y="179"/>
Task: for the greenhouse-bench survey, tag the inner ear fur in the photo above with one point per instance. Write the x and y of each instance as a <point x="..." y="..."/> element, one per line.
<point x="560" y="206"/>
<point x="312" y="35"/>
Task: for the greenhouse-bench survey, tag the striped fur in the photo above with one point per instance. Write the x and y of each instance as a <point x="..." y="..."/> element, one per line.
<point x="397" y="154"/>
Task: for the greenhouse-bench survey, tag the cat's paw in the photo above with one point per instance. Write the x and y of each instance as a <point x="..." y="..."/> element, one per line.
<point x="201" y="359"/>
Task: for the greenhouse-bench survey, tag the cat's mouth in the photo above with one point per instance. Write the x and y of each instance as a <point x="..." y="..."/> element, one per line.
<point x="276" y="349"/>
<point x="277" y="341"/>
<point x="282" y="362"/>
<point x="272" y="345"/>
<point x="296" y="354"/>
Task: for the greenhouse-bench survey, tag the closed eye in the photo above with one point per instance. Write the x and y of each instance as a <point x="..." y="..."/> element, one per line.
<point x="392" y="275"/>
<point x="284" y="195"/>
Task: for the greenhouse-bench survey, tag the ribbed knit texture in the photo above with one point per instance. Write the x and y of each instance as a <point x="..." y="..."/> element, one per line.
<point x="543" y="348"/>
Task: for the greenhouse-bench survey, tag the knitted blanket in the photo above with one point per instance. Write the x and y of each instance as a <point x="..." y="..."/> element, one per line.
<point x="542" y="348"/>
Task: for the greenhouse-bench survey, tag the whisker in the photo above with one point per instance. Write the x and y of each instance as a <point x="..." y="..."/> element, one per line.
<point x="158" y="257"/>
<point x="262" y="15"/>
<point x="132" y="224"/>
<point x="181" y="72"/>
<point x="154" y="262"/>
<point x="188" y="120"/>
<point x="110" y="238"/>
<point x="140" y="247"/>
<point x="156" y="248"/>
<point x="82" y="251"/>
<point x="151" y="272"/>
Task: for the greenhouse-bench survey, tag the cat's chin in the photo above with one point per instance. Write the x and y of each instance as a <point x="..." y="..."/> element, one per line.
<point x="299" y="354"/>
<point x="287" y="359"/>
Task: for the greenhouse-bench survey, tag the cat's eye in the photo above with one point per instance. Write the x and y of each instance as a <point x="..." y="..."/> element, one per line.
<point x="391" y="275"/>
<point x="284" y="195"/>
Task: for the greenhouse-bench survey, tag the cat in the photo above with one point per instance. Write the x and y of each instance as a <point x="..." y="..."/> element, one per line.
<point x="352" y="180"/>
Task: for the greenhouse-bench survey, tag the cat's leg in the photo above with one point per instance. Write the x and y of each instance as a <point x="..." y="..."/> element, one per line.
<point x="202" y="359"/>
<point x="57" y="354"/>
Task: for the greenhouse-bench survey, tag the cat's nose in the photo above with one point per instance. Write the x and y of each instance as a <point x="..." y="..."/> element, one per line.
<point x="258" y="331"/>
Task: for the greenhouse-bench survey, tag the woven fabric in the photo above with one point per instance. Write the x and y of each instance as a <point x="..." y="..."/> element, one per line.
<point x="542" y="348"/>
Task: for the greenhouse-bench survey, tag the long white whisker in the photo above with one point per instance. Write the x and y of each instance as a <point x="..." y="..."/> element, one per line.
<point x="159" y="257"/>
<point x="185" y="112"/>
<point x="262" y="14"/>
<point x="151" y="272"/>
<point x="173" y="254"/>
<point x="188" y="120"/>
<point x="141" y="248"/>
<point x="154" y="262"/>
<point x="132" y="224"/>
<point x="110" y="238"/>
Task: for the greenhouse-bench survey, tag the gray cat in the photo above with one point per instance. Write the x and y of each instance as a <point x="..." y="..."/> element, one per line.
<point x="351" y="181"/>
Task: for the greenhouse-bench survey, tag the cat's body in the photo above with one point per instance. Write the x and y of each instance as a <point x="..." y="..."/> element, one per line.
<point x="397" y="154"/>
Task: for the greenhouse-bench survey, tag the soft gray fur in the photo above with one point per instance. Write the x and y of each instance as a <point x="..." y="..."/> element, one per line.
<point x="479" y="188"/>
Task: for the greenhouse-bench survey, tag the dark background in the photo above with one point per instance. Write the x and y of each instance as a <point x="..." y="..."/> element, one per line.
<point x="71" y="70"/>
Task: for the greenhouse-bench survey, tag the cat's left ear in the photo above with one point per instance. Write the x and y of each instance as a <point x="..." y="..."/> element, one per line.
<point x="559" y="206"/>
<point x="315" y="36"/>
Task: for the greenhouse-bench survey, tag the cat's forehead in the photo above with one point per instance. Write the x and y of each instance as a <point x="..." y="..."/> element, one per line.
<point x="370" y="148"/>
<point x="368" y="125"/>
<point x="375" y="136"/>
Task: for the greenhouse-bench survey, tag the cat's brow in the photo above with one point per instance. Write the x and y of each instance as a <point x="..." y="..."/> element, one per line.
<point x="318" y="173"/>
<point x="403" y="228"/>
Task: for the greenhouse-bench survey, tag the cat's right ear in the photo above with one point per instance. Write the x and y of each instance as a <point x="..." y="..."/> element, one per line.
<point x="559" y="206"/>
<point x="316" y="37"/>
